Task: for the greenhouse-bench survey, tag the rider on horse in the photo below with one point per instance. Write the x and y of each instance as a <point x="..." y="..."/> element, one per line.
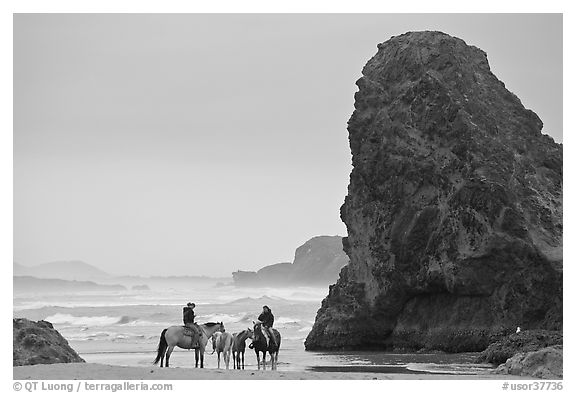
<point x="267" y="319"/>
<point x="191" y="328"/>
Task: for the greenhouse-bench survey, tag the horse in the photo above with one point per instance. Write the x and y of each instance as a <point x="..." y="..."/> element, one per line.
<point x="239" y="347"/>
<point x="259" y="345"/>
<point x="174" y="336"/>
<point x="222" y="343"/>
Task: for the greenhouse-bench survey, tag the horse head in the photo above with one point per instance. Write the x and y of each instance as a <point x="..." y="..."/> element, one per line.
<point x="257" y="334"/>
<point x="214" y="338"/>
<point x="222" y="329"/>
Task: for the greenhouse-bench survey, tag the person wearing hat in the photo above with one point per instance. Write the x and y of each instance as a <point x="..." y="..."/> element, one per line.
<point x="188" y="317"/>
<point x="267" y="319"/>
<point x="188" y="314"/>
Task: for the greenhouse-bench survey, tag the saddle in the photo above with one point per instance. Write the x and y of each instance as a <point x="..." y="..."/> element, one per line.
<point x="193" y="331"/>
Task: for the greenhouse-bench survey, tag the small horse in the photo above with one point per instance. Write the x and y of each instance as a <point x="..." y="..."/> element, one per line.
<point x="222" y="343"/>
<point x="174" y="336"/>
<point x="259" y="345"/>
<point x="239" y="347"/>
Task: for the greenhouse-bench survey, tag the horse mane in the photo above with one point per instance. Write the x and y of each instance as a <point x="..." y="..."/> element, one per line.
<point x="210" y="324"/>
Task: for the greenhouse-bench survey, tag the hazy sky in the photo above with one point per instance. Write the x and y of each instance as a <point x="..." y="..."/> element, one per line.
<point x="203" y="144"/>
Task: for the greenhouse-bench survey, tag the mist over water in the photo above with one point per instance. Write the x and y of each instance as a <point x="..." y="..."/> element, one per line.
<point x="123" y="327"/>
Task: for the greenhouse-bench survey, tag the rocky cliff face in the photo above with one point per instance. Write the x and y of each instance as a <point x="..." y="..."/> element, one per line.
<point x="454" y="208"/>
<point x="39" y="343"/>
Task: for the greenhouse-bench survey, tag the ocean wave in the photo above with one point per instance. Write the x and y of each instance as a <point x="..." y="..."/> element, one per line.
<point x="106" y="336"/>
<point x="104" y="320"/>
<point x="67" y="319"/>
<point x="126" y="319"/>
<point x="461" y="368"/>
<point x="88" y="336"/>
<point x="287" y="321"/>
<point x="225" y="318"/>
<point x="125" y="336"/>
<point x="248" y="318"/>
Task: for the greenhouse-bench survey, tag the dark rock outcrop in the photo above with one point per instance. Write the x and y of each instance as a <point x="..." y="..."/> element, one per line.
<point x="524" y="341"/>
<point x="245" y="278"/>
<point x="39" y="343"/>
<point x="544" y="363"/>
<point x="454" y="208"/>
<point x="316" y="262"/>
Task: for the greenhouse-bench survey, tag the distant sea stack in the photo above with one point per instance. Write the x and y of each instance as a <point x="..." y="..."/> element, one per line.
<point x="316" y="262"/>
<point x="454" y="208"/>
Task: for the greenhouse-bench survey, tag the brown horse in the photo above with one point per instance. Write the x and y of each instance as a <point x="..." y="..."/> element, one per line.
<point x="259" y="344"/>
<point x="174" y="337"/>
<point x="239" y="347"/>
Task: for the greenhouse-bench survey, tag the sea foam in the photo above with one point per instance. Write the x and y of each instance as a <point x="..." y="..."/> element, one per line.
<point x="104" y="320"/>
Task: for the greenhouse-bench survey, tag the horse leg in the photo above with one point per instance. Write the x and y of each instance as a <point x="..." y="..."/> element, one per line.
<point x="276" y="360"/>
<point x="271" y="361"/>
<point x="218" y="359"/>
<point x="242" y="362"/>
<point x="196" y="356"/>
<point x="201" y="358"/>
<point x="228" y="360"/>
<point x="234" y="360"/>
<point x="168" y="353"/>
<point x="264" y="360"/>
<point x="258" y="359"/>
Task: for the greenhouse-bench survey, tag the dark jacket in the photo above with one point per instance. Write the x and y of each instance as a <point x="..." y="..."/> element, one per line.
<point x="267" y="319"/>
<point x="188" y="315"/>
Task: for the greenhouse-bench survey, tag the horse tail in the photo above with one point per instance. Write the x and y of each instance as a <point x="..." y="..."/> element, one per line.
<point x="162" y="345"/>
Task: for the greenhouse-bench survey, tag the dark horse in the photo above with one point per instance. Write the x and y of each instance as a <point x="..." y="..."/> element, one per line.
<point x="239" y="347"/>
<point x="259" y="345"/>
<point x="174" y="336"/>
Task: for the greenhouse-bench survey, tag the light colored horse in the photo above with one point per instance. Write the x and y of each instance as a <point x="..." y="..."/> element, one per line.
<point x="239" y="346"/>
<point x="174" y="337"/>
<point x="259" y="344"/>
<point x="222" y="343"/>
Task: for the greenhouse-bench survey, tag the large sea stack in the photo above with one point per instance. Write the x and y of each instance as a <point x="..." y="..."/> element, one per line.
<point x="454" y="208"/>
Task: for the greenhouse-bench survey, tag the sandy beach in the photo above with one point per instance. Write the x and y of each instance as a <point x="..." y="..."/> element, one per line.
<point x="93" y="371"/>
